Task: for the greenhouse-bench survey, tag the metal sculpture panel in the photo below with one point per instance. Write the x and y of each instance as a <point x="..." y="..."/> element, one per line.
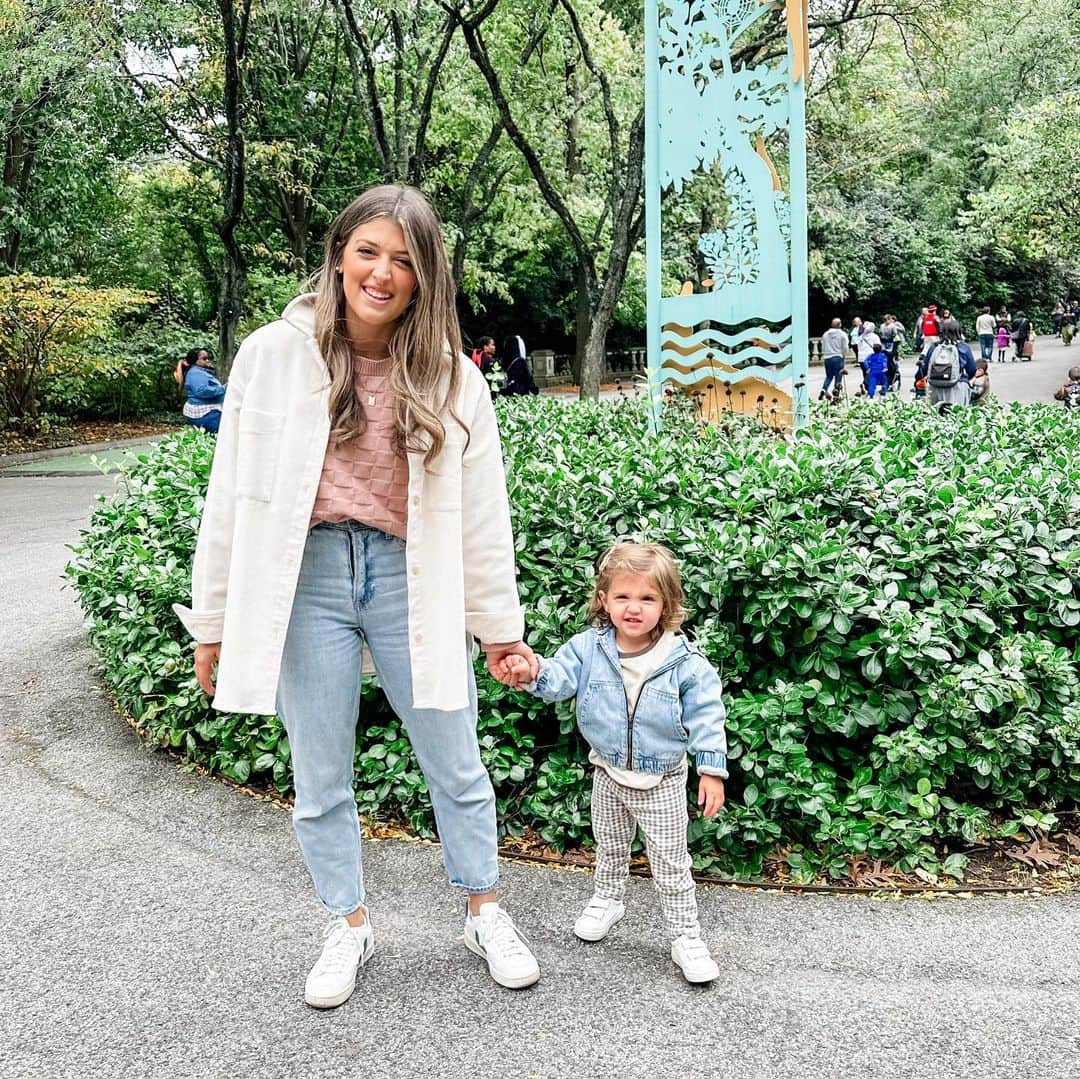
<point x="726" y="244"/>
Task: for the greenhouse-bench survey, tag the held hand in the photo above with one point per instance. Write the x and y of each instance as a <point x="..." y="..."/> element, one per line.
<point x="710" y="794"/>
<point x="495" y="653"/>
<point x="206" y="656"/>
<point x="514" y="670"/>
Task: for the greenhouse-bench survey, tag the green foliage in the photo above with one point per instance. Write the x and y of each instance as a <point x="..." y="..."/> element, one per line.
<point x="126" y="372"/>
<point x="891" y="600"/>
<point x="47" y="329"/>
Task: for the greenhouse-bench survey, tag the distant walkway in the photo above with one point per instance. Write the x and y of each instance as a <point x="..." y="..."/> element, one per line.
<point x="156" y="923"/>
<point x="1025" y="382"/>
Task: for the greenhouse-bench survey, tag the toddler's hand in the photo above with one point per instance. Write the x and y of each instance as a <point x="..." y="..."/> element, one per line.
<point x="513" y="670"/>
<point x="710" y="794"/>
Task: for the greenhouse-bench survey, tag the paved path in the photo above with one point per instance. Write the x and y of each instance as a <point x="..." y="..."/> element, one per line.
<point x="154" y="923"/>
<point x="1026" y="382"/>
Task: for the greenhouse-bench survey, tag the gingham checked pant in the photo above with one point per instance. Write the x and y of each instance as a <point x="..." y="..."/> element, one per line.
<point x="617" y="811"/>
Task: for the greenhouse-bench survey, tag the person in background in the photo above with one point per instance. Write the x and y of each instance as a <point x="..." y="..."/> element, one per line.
<point x="929" y="328"/>
<point x="485" y="349"/>
<point x="877" y="372"/>
<point x="1069" y="394"/>
<point x="834" y="346"/>
<point x="1003" y="317"/>
<point x="980" y="384"/>
<point x="205" y="394"/>
<point x="1021" y="331"/>
<point x="1056" y="317"/>
<point x="519" y="379"/>
<point x="954" y="386"/>
<point x="854" y="334"/>
<point x="1068" y="324"/>
<point x="984" y="329"/>
<point x="892" y="335"/>
<point x="1002" y="341"/>
<point x="869" y="342"/>
<point x="917" y="341"/>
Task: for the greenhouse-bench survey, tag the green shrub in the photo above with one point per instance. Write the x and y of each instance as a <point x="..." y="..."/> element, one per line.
<point x="891" y="600"/>
<point x="127" y="372"/>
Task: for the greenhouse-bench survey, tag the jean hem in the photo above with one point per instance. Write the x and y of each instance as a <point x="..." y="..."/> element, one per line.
<point x="475" y="889"/>
<point x="344" y="911"/>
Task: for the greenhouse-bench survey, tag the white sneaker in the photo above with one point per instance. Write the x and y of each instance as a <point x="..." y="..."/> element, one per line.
<point x="492" y="935"/>
<point x="598" y="917"/>
<point x="691" y="956"/>
<point x="333" y="978"/>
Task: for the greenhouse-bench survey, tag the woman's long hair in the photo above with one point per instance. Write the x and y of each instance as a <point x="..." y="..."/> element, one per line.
<point x="425" y="347"/>
<point x="950" y="332"/>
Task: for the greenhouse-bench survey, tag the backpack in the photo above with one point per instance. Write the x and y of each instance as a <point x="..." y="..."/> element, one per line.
<point x="944" y="372"/>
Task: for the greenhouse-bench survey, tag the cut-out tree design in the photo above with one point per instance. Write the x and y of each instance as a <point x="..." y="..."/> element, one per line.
<point x="715" y="126"/>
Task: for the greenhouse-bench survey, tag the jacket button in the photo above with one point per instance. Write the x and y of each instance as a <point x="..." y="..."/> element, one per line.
<point x="415" y="571"/>
<point x="416" y="500"/>
<point x="418" y="637"/>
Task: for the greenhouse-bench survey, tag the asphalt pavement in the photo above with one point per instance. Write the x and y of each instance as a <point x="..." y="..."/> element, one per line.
<point x="154" y="922"/>
<point x="1009" y="381"/>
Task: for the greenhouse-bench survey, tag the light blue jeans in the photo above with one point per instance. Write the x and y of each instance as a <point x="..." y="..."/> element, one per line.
<point x="352" y="589"/>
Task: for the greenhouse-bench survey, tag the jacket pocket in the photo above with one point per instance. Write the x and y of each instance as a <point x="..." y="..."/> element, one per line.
<point x="258" y="449"/>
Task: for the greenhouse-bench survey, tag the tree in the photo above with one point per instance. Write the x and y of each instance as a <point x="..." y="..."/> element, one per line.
<point x="611" y="223"/>
<point x="189" y="81"/>
<point x="43" y="323"/>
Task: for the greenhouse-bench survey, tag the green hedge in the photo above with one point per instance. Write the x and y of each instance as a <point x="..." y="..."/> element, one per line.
<point x="891" y="599"/>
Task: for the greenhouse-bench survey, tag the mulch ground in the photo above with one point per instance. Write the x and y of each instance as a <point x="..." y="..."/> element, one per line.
<point x="82" y="433"/>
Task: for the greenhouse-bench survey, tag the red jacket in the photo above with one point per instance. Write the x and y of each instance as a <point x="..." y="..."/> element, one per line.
<point x="929" y="326"/>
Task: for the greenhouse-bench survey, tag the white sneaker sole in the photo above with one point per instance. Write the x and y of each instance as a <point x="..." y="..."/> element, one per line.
<point x="521" y="982"/>
<point x="314" y="1001"/>
<point x="586" y="933"/>
<point x="698" y="977"/>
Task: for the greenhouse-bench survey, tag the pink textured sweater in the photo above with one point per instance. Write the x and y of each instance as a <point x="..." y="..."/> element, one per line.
<point x="366" y="479"/>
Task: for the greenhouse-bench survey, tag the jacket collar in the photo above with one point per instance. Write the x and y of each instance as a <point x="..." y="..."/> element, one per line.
<point x="679" y="650"/>
<point x="301" y="314"/>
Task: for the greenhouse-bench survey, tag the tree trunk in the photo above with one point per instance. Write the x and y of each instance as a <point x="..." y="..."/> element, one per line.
<point x="595" y="358"/>
<point x="234" y="271"/>
<point x="582" y="322"/>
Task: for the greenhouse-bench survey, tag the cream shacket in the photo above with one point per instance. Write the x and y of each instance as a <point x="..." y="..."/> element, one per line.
<point x="269" y="455"/>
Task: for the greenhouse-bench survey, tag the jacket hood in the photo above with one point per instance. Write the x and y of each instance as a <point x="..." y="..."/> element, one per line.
<point x="301" y="314"/>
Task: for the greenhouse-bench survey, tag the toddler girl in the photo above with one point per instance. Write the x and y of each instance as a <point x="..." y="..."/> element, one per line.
<point x="1002" y="342"/>
<point x="644" y="697"/>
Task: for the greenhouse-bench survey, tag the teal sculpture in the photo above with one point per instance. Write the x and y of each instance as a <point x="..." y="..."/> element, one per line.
<point x="736" y="316"/>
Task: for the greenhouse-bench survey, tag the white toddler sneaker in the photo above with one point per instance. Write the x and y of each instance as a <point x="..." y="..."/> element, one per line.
<point x="691" y="956"/>
<point x="492" y="935"/>
<point x="598" y="917"/>
<point x="345" y="947"/>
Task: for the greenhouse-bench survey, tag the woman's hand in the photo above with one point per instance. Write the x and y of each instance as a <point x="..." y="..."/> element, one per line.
<point x="494" y="653"/>
<point x="206" y="657"/>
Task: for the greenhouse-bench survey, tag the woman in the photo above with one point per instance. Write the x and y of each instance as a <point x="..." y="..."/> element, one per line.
<point x="519" y="379"/>
<point x="205" y="394"/>
<point x="948" y="383"/>
<point x="357" y="507"/>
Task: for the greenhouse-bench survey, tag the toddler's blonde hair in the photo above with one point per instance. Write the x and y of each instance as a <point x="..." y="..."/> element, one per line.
<point x="645" y="560"/>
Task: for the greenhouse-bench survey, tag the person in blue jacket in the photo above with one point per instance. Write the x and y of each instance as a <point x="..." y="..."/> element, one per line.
<point x="877" y="372"/>
<point x="205" y="394"/>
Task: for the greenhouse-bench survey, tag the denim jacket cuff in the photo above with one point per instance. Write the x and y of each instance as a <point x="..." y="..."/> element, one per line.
<point x="710" y="763"/>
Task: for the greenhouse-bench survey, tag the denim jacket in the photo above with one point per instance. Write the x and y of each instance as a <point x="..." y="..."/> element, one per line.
<point x="679" y="708"/>
<point x="202" y="387"/>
